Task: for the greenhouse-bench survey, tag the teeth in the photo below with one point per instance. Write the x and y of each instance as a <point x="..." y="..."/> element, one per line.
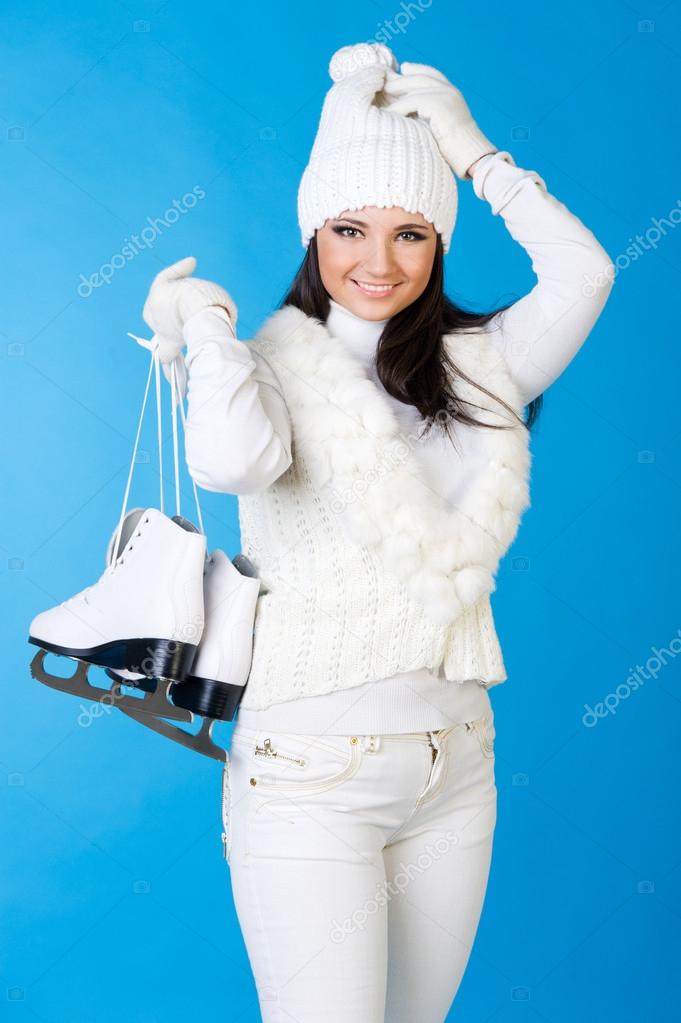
<point x="375" y="287"/>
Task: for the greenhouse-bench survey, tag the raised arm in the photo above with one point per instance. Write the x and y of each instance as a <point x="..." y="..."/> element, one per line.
<point x="540" y="334"/>
<point x="238" y="435"/>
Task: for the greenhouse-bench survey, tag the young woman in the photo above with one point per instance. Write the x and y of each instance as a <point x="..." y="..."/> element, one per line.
<point x="377" y="437"/>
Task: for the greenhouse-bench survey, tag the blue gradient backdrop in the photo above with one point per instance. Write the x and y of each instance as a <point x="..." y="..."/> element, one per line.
<point x="115" y="901"/>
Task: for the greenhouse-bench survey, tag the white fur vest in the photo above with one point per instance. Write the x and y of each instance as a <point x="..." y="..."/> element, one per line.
<point x="367" y="570"/>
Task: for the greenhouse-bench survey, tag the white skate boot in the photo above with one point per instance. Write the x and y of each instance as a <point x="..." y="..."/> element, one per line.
<point x="144" y="614"/>
<point x="215" y="683"/>
<point x="157" y="690"/>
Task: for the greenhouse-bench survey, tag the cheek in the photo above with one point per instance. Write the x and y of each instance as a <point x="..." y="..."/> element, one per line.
<point x="333" y="261"/>
<point x="419" y="267"/>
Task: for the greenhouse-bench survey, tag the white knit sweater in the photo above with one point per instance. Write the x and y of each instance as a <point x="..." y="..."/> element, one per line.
<point x="408" y="702"/>
<point x="233" y="393"/>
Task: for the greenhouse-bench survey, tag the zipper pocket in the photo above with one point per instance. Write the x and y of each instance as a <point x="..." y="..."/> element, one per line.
<point x="299" y="788"/>
<point x="267" y="750"/>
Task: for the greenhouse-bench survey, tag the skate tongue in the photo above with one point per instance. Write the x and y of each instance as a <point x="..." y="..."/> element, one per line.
<point x="185" y="523"/>
<point x="128" y="528"/>
<point x="245" y="565"/>
<point x="180" y="520"/>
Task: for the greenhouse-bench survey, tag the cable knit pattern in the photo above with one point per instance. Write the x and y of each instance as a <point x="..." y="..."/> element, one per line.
<point x="358" y="556"/>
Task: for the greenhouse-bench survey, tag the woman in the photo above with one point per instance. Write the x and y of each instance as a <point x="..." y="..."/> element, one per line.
<point x="374" y="432"/>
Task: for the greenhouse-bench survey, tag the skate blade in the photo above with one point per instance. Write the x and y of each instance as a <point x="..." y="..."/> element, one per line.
<point x="166" y="658"/>
<point x="79" y="685"/>
<point x="200" y="742"/>
<point x="157" y="703"/>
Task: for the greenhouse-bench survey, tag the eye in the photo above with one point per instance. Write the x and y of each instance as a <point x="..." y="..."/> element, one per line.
<point x="341" y="230"/>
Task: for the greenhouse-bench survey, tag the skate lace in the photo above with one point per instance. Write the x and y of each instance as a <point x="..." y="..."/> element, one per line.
<point x="152" y="345"/>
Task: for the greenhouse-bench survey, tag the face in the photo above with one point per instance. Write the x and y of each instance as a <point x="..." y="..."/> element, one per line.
<point x="376" y="261"/>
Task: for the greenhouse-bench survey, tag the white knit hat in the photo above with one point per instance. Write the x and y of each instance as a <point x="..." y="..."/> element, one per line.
<point x="364" y="155"/>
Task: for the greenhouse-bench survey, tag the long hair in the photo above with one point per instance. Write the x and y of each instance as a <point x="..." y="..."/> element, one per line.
<point x="411" y="361"/>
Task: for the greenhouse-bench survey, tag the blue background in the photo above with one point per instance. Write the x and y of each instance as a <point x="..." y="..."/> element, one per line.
<point x="116" y="903"/>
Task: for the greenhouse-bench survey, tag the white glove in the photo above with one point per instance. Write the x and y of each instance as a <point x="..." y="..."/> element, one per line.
<point x="174" y="297"/>
<point x="422" y="90"/>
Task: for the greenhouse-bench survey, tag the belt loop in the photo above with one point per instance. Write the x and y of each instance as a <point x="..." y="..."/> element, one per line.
<point x="372" y="743"/>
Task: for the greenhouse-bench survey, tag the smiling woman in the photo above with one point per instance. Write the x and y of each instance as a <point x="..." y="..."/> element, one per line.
<point x="382" y="468"/>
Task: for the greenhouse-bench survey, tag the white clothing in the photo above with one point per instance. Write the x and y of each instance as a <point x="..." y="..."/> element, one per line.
<point x="373" y="843"/>
<point x="233" y="394"/>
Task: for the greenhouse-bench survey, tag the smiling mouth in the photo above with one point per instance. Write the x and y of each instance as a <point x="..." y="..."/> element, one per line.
<point x="379" y="290"/>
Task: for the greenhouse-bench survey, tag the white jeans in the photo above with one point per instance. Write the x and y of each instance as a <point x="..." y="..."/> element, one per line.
<point x="359" y="865"/>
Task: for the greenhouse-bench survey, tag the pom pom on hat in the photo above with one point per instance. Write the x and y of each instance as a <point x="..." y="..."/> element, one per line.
<point x="349" y="59"/>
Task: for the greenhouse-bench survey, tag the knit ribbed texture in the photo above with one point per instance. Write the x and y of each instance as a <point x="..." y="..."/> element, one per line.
<point x="410" y="702"/>
<point x="366" y="156"/>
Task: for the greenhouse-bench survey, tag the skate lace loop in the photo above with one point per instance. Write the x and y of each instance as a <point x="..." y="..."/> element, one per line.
<point x="152" y="344"/>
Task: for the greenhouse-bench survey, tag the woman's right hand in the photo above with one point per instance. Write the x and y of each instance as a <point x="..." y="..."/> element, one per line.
<point x="174" y="297"/>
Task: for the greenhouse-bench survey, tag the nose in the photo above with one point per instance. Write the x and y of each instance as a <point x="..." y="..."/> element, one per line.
<point x="380" y="261"/>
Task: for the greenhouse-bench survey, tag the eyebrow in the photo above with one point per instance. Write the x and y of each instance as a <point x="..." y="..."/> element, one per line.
<point x="363" y="223"/>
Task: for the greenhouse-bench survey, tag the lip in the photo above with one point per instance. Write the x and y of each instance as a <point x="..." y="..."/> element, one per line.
<point x="375" y="294"/>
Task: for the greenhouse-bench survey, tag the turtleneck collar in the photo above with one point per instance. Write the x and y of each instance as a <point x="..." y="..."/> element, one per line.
<point x="359" y="335"/>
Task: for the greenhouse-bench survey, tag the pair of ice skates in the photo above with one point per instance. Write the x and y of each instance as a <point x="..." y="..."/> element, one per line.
<point x="163" y="618"/>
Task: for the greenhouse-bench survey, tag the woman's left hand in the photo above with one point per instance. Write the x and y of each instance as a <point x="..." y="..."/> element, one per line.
<point x="423" y="90"/>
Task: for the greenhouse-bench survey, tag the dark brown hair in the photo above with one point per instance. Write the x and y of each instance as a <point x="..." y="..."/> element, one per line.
<point x="411" y="361"/>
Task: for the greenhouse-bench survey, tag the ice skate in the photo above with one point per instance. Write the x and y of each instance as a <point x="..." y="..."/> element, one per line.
<point x="217" y="678"/>
<point x="193" y="655"/>
<point x="145" y="613"/>
<point x="220" y="671"/>
<point x="157" y="691"/>
<point x="215" y="685"/>
<point x="219" y="674"/>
